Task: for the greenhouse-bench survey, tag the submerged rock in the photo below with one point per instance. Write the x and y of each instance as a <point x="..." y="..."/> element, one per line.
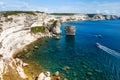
<point x="70" y="30"/>
<point x="74" y="74"/>
<point x="57" y="37"/>
<point x="84" y="66"/>
<point x="89" y="73"/>
<point x="97" y="70"/>
<point x="57" y="73"/>
<point x="36" y="47"/>
<point x="57" y="76"/>
<point x="66" y="68"/>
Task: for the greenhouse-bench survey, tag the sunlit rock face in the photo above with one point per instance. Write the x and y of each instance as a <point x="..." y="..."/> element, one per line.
<point x="56" y="27"/>
<point x="14" y="35"/>
<point x="112" y="17"/>
<point x="44" y="76"/>
<point x="102" y="17"/>
<point x="98" y="17"/>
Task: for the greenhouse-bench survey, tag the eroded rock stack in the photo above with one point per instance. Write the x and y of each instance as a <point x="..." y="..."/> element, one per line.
<point x="70" y="30"/>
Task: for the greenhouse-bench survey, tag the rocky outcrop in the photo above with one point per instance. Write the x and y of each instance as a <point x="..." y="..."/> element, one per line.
<point x="70" y="30"/>
<point x="12" y="67"/>
<point x="55" y="28"/>
<point x="44" y="76"/>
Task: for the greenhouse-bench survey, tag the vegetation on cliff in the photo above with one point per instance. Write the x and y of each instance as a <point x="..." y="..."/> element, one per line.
<point x="7" y="13"/>
<point x="37" y="29"/>
<point x="54" y="23"/>
<point x="63" y="14"/>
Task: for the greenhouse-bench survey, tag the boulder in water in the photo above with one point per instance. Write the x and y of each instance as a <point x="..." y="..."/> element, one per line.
<point x="89" y="73"/>
<point x="57" y="73"/>
<point x="70" y="30"/>
<point x="66" y="68"/>
<point x="98" y="71"/>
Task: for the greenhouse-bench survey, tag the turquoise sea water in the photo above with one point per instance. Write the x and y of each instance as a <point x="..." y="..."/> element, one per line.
<point x="80" y="53"/>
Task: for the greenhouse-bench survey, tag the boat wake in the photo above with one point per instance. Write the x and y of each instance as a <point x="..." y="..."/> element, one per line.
<point x="108" y="50"/>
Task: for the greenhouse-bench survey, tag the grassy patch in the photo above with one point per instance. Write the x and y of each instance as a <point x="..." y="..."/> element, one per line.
<point x="7" y="13"/>
<point x="37" y="29"/>
<point x="54" y="23"/>
<point x="68" y="14"/>
<point x="51" y="20"/>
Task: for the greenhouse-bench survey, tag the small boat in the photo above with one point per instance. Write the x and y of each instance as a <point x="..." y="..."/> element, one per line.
<point x="97" y="44"/>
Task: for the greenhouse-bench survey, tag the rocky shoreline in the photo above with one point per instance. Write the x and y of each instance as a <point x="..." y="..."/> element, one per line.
<point x="33" y="70"/>
<point x="15" y="33"/>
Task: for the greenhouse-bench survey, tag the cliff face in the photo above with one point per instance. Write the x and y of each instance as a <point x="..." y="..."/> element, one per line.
<point x="15" y="34"/>
<point x="102" y="17"/>
<point x="56" y="27"/>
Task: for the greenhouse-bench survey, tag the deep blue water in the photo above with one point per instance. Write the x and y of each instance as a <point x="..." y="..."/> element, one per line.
<point x="80" y="53"/>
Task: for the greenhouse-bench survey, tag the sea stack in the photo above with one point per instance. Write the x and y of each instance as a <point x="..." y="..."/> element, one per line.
<point x="70" y="30"/>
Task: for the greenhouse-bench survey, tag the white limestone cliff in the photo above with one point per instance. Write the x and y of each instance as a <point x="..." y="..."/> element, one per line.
<point x="15" y="34"/>
<point x="56" y="27"/>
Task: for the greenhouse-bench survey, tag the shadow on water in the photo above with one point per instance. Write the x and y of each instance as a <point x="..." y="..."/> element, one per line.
<point x="70" y="44"/>
<point x="70" y="39"/>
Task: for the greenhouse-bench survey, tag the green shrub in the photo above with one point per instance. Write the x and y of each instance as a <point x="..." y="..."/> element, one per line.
<point x="9" y="19"/>
<point x="17" y="12"/>
<point x="67" y="14"/>
<point x="51" y="20"/>
<point x="37" y="29"/>
<point x="54" y="23"/>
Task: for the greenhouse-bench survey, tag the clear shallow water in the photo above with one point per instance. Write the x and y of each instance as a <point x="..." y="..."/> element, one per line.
<point x="80" y="53"/>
